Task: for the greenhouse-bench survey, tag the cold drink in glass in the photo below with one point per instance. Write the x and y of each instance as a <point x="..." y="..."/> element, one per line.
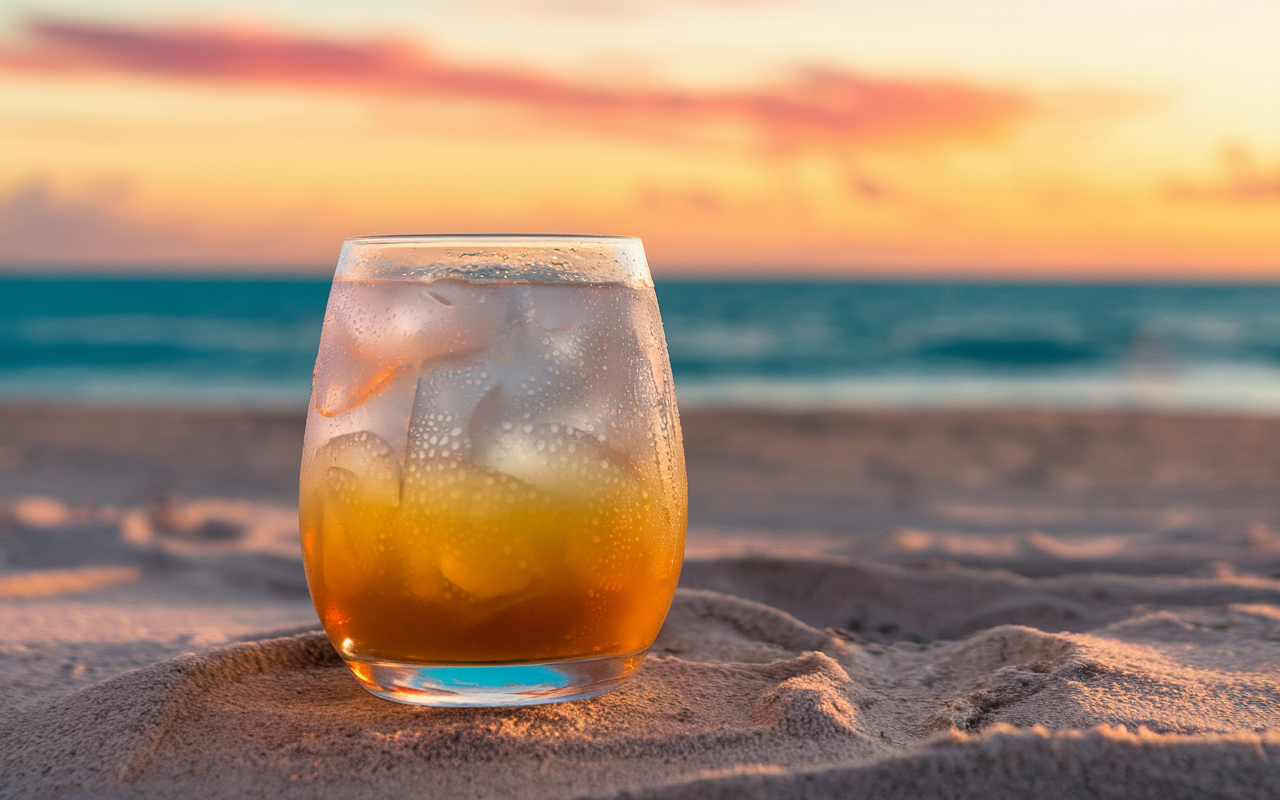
<point x="493" y="496"/>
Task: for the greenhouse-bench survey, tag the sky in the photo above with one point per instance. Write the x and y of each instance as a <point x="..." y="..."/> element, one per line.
<point x="1099" y="139"/>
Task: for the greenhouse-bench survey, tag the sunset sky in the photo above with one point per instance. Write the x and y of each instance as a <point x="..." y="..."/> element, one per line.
<point x="1094" y="139"/>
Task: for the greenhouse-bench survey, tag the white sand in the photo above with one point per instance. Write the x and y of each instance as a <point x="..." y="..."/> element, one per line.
<point x="955" y="656"/>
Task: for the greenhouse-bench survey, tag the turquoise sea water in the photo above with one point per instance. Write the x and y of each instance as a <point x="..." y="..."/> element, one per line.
<point x="231" y="341"/>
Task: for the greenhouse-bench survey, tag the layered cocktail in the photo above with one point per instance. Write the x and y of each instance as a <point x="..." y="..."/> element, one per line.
<point x="493" y="497"/>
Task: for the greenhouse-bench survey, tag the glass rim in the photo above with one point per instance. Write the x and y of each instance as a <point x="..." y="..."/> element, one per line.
<point x="496" y="258"/>
<point x="501" y="239"/>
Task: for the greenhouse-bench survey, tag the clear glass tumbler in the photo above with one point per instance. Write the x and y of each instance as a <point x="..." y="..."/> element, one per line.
<point x="493" y="496"/>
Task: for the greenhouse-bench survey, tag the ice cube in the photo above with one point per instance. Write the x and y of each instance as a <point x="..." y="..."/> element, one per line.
<point x="385" y="414"/>
<point x="485" y="575"/>
<point x="444" y="404"/>
<point x="374" y="331"/>
<point x="586" y="364"/>
<point x="345" y="377"/>
<point x="426" y="321"/>
<point x="360" y="464"/>
<point x="560" y="460"/>
<point x="482" y="528"/>
<point x="559" y="308"/>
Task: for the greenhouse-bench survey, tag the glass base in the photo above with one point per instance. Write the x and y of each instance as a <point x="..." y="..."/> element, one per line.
<point x="494" y="685"/>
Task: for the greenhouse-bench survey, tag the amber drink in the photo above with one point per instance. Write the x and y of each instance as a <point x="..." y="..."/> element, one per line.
<point x="493" y="497"/>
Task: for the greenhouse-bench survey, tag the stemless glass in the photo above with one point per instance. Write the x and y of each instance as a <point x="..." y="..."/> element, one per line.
<point x="493" y="497"/>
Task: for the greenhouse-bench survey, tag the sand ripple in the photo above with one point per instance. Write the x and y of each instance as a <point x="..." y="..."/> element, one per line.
<point x="737" y="699"/>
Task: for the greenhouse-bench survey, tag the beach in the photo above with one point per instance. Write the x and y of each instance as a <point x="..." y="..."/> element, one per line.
<point x="949" y="603"/>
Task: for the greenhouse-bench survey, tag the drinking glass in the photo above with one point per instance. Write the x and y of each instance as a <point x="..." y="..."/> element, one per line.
<point x="493" y="499"/>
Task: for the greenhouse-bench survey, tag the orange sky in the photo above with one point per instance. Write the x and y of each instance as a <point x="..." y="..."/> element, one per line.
<point x="139" y="139"/>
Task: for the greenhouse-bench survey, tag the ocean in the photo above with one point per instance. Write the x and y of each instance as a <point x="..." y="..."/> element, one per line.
<point x="252" y="343"/>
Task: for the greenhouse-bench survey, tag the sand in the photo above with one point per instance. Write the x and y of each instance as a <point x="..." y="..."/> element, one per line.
<point x="940" y="604"/>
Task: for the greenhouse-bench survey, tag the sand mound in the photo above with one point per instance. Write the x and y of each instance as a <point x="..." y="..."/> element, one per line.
<point x="1106" y="763"/>
<point x="737" y="699"/>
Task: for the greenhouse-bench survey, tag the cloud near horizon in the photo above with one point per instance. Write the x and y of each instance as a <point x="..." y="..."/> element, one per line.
<point x="42" y="224"/>
<point x="1242" y="179"/>
<point x="822" y="107"/>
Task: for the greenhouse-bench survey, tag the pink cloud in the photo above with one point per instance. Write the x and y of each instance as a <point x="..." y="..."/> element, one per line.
<point x="822" y="107"/>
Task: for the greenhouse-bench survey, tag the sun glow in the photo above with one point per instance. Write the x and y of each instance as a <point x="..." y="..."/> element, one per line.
<point x="201" y="144"/>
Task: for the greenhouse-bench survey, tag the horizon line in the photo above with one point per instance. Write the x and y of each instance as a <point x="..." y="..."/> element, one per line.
<point x="747" y="274"/>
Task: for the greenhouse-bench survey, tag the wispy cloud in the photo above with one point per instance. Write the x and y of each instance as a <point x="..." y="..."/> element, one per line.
<point x="822" y="107"/>
<point x="95" y="224"/>
<point x="35" y="219"/>
<point x="626" y="8"/>
<point x="1242" y="179"/>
